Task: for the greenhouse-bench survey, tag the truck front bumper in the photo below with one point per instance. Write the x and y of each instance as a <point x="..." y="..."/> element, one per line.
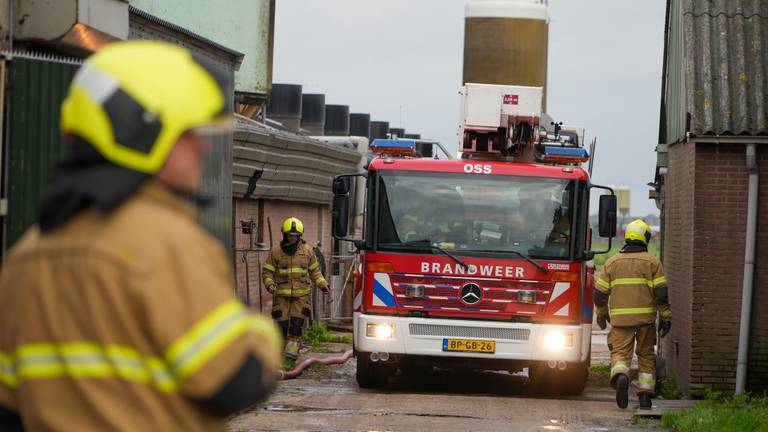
<point x="513" y="341"/>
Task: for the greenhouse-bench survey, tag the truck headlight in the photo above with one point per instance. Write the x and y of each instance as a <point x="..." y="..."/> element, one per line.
<point x="557" y="340"/>
<point x="380" y="330"/>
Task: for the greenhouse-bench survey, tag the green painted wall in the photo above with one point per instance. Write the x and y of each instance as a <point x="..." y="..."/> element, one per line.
<point x="241" y="25"/>
<point x="37" y="89"/>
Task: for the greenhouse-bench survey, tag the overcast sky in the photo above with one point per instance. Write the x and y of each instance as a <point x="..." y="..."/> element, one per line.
<point x="401" y="61"/>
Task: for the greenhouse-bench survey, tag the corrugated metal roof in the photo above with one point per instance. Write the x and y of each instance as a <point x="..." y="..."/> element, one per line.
<point x="726" y="65"/>
<point x="274" y="164"/>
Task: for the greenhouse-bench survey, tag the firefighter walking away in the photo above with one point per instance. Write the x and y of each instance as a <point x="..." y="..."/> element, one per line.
<point x="116" y="311"/>
<point x="287" y="273"/>
<point x="629" y="292"/>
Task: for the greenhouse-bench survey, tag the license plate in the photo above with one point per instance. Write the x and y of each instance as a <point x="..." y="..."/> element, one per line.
<point x="469" y="345"/>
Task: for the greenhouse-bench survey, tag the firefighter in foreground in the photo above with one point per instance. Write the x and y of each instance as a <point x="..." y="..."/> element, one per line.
<point x="629" y="291"/>
<point x="116" y="311"/>
<point x="286" y="274"/>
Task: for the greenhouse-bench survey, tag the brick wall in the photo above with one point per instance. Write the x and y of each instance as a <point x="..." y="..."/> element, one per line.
<point x="705" y="234"/>
<point x="678" y="259"/>
<point x="317" y="227"/>
<point x="720" y="219"/>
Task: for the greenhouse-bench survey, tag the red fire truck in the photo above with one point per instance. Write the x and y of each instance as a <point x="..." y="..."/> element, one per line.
<point x="477" y="262"/>
<point x="480" y="262"/>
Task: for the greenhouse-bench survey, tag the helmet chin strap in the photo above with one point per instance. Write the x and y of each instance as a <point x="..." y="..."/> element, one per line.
<point x="288" y="247"/>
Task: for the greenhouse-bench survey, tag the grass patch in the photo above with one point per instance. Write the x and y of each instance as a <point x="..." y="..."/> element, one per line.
<point x="668" y="389"/>
<point x="735" y="413"/>
<point x="322" y="349"/>
<point x="319" y="333"/>
<point x="599" y="373"/>
<point x="288" y="364"/>
<point x="600" y="370"/>
<point x="644" y="421"/>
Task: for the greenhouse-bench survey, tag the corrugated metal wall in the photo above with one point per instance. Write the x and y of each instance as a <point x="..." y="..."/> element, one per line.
<point x="37" y="89"/>
<point x="217" y="177"/>
<point x="725" y="61"/>
<point x="287" y="166"/>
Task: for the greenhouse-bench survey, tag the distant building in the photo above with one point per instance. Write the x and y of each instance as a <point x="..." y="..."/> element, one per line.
<point x="714" y="112"/>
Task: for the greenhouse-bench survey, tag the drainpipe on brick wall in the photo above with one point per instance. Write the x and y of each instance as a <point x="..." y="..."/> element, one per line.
<point x="749" y="270"/>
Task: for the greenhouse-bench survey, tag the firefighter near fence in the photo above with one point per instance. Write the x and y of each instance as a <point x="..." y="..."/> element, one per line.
<point x="288" y="274"/>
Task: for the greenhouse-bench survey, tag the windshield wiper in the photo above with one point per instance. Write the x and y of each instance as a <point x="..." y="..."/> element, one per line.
<point x="428" y="243"/>
<point x="523" y="256"/>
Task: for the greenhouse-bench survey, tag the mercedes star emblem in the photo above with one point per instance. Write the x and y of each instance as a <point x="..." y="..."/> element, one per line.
<point x="471" y="294"/>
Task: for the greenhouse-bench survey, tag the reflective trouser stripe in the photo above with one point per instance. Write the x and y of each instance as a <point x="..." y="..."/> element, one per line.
<point x="646" y="381"/>
<point x="633" y="311"/>
<point x="619" y="368"/>
<point x="85" y="360"/>
<point x="292" y="349"/>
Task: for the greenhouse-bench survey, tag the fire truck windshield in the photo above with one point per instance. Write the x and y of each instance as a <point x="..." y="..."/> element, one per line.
<point x="476" y="213"/>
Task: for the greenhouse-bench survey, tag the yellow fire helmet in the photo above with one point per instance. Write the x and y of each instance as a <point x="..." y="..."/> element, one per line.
<point x="133" y="100"/>
<point x="638" y="230"/>
<point x="293" y="225"/>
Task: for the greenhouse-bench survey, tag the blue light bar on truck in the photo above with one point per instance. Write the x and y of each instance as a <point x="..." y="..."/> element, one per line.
<point x="394" y="147"/>
<point x="557" y="154"/>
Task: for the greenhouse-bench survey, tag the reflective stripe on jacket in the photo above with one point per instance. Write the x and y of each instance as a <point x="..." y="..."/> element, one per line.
<point x="630" y="279"/>
<point x="292" y="273"/>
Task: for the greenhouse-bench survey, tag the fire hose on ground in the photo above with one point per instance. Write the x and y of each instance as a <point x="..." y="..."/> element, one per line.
<point x="296" y="371"/>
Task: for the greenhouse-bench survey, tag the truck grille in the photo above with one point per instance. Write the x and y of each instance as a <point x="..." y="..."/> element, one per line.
<point x="469" y="332"/>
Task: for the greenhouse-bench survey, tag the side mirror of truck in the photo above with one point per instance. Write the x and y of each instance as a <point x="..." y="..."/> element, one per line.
<point x="342" y="185"/>
<point x="340" y="215"/>
<point x="607" y="216"/>
<point x="606" y="219"/>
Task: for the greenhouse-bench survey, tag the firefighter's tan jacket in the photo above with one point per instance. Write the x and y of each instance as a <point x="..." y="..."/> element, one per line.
<point x="630" y="279"/>
<point x="122" y="322"/>
<point x="292" y="273"/>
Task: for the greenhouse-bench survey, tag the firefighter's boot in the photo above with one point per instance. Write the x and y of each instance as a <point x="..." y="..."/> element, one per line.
<point x="621" y="382"/>
<point x="645" y="400"/>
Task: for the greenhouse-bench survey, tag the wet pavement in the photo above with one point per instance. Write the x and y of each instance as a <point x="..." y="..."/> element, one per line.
<point x="327" y="398"/>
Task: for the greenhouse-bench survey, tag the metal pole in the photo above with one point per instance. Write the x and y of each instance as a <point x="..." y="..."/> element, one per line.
<point x="269" y="226"/>
<point x="344" y="285"/>
<point x="247" y="280"/>
<point x="749" y="270"/>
